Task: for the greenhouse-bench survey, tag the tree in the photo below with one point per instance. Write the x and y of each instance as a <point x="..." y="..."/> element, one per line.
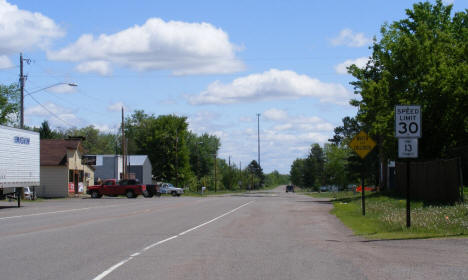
<point x="164" y="140"/>
<point x="419" y="60"/>
<point x="297" y="172"/>
<point x="335" y="167"/>
<point x="313" y="167"/>
<point x="9" y="104"/>
<point x="344" y="133"/>
<point x="45" y="132"/>
<point x="275" y="179"/>
<point x="256" y="172"/>
<point x="202" y="153"/>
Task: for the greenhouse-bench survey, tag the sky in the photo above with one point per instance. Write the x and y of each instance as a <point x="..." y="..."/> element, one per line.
<point x="218" y="63"/>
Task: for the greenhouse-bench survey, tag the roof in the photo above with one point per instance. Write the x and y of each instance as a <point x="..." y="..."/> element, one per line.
<point x="131" y="159"/>
<point x="54" y="151"/>
<point x="136" y="159"/>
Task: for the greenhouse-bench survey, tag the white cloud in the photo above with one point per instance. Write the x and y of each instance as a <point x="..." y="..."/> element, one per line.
<point x="350" y="39"/>
<point x="61" y="116"/>
<point x="246" y="119"/>
<point x="107" y="128"/>
<point x="101" y="67"/>
<point x="275" y="114"/>
<point x="62" y="88"/>
<point x="181" y="47"/>
<point x="360" y="62"/>
<point x="116" y="107"/>
<point x="282" y="139"/>
<point x="270" y="85"/>
<point x="448" y="2"/>
<point x="5" y="62"/>
<point x="21" y="30"/>
<point x="205" y="122"/>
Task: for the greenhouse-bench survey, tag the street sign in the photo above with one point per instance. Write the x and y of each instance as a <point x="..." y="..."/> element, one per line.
<point x="408" y="121"/>
<point x="408" y="147"/>
<point x="362" y="144"/>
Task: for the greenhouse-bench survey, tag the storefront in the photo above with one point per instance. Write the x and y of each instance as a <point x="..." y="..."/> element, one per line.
<point x="63" y="172"/>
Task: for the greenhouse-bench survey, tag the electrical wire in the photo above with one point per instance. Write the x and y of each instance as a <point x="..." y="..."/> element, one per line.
<point x="53" y="114"/>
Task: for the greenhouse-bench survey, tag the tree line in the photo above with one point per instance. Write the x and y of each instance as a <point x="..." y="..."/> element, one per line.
<point x="418" y="60"/>
<point x="177" y="155"/>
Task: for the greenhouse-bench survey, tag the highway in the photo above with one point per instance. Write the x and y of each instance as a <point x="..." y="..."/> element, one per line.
<point x="256" y="235"/>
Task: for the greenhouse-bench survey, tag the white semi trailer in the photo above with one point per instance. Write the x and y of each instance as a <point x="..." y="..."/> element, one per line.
<point x="19" y="161"/>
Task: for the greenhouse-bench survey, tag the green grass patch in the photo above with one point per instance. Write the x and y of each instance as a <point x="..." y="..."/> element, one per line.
<point x="386" y="217"/>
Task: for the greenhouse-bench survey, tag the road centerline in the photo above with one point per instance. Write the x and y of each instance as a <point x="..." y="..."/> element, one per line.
<point x="121" y="263"/>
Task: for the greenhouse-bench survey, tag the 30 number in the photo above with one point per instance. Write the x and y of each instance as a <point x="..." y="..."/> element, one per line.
<point x="412" y="127"/>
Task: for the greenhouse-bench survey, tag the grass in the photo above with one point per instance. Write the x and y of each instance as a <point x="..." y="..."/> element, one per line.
<point x="386" y="216"/>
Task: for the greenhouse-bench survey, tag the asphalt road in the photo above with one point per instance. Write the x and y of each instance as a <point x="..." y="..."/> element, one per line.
<point x="259" y="235"/>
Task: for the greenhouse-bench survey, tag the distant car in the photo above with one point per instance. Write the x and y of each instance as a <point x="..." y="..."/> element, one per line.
<point x="324" y="189"/>
<point x="29" y="194"/>
<point x="168" y="188"/>
<point x="289" y="188"/>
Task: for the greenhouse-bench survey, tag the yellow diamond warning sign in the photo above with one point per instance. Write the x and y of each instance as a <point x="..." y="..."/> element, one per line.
<point x="362" y="144"/>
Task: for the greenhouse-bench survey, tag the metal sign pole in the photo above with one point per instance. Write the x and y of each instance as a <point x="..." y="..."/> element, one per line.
<point x="408" y="206"/>
<point x="363" y="193"/>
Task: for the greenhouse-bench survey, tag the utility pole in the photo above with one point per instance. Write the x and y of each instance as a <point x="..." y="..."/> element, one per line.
<point x="22" y="91"/>
<point x="124" y="149"/>
<point x="177" y="158"/>
<point x="258" y="134"/>
<point x="215" y="172"/>
<point x="229" y="161"/>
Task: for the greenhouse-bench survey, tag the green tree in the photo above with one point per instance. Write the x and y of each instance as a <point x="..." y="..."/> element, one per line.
<point x="297" y="172"/>
<point x="45" y="132"/>
<point x="9" y="104"/>
<point x="313" y="167"/>
<point x="203" y="150"/>
<point x="95" y="142"/>
<point x="164" y="140"/>
<point x="335" y="167"/>
<point x="256" y="173"/>
<point x="422" y="60"/>
<point x="275" y="179"/>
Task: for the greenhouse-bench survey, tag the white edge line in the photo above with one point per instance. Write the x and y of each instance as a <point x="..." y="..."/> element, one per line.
<point x="158" y="243"/>
<point x="114" y="267"/>
<point x="210" y="221"/>
<point x="56" y="212"/>
<point x="105" y="273"/>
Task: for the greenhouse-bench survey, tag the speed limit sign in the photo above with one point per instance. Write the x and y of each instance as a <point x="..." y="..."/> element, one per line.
<point x="408" y="121"/>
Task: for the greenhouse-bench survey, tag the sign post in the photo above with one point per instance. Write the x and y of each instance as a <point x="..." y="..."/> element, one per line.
<point x="408" y="130"/>
<point x="362" y="144"/>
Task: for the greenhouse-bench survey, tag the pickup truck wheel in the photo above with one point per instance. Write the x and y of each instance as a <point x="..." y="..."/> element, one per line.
<point x="95" y="194"/>
<point x="130" y="194"/>
<point x="178" y="194"/>
<point x="174" y="193"/>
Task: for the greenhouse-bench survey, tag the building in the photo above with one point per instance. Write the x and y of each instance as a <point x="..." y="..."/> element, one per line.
<point x="110" y="167"/>
<point x="62" y="171"/>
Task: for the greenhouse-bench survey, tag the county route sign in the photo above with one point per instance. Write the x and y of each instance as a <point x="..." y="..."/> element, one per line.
<point x="407" y="147"/>
<point x="362" y="144"/>
<point x="408" y="121"/>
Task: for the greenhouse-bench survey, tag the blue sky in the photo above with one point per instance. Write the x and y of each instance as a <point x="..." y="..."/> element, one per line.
<point x="217" y="62"/>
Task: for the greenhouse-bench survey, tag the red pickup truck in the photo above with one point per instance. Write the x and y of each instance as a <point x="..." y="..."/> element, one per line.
<point x="130" y="188"/>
